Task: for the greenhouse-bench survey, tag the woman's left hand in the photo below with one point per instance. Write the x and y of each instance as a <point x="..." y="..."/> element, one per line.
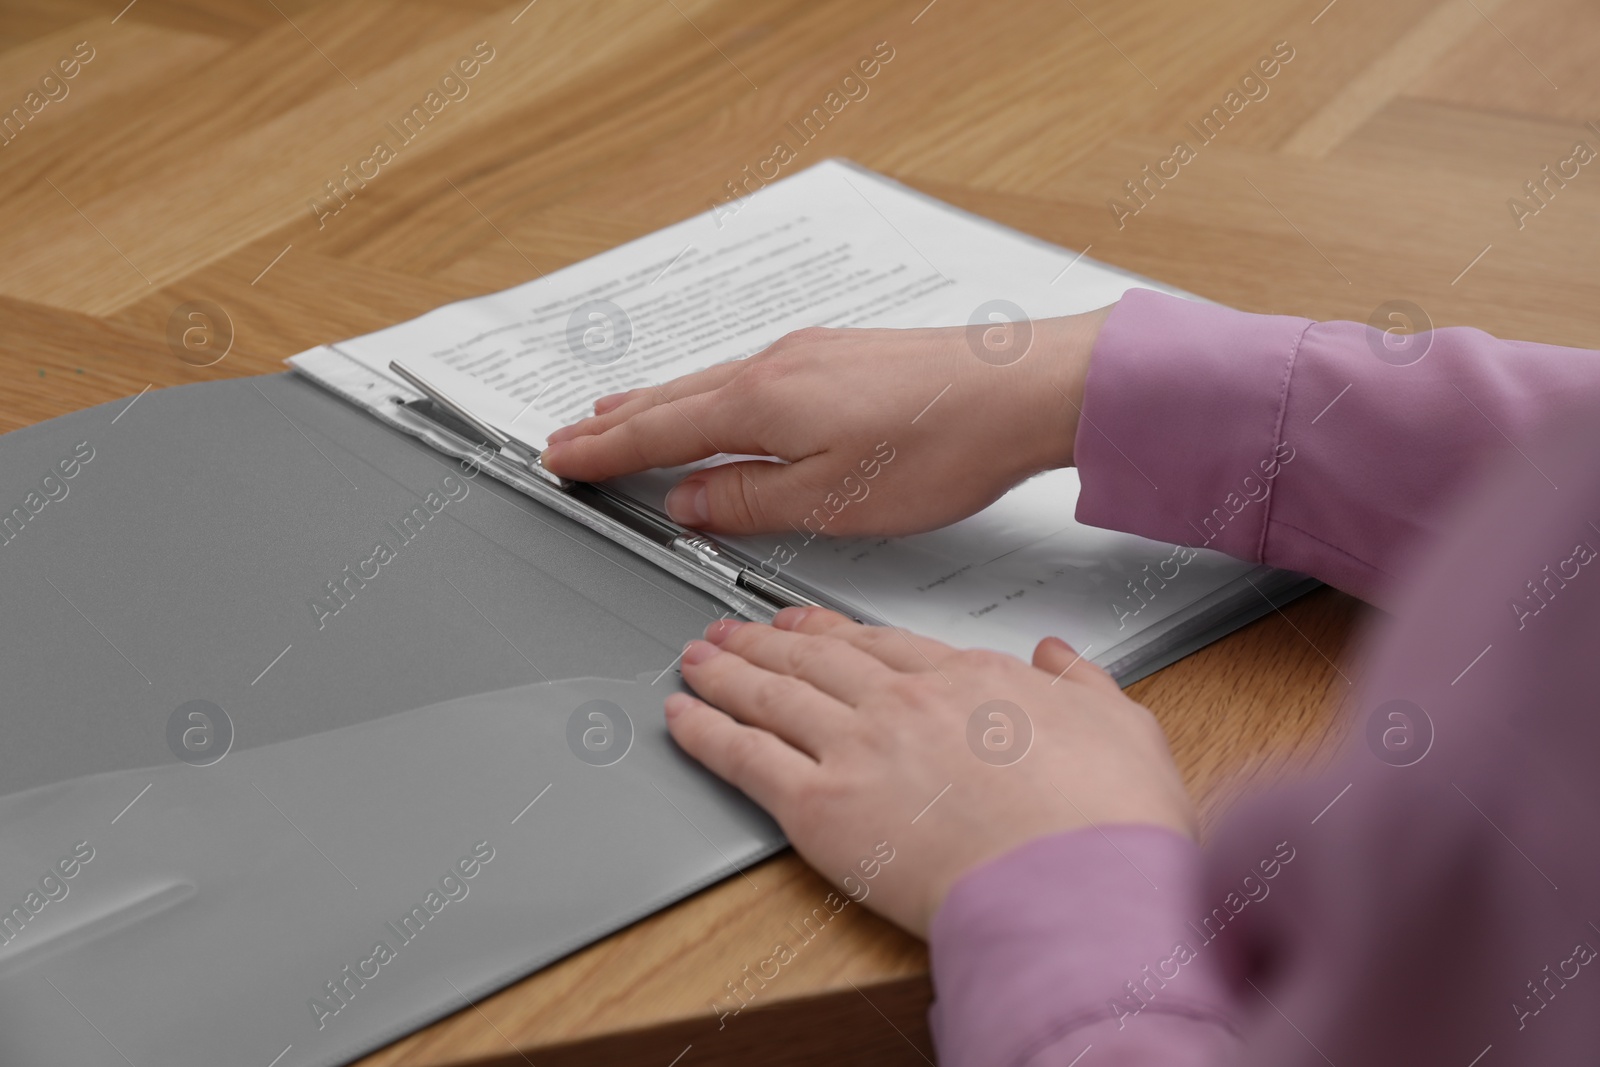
<point x="866" y="742"/>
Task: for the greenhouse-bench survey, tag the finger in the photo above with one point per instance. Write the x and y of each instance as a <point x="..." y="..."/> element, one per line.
<point x="795" y="711"/>
<point x="615" y="408"/>
<point x="754" y="761"/>
<point x="748" y="497"/>
<point x="897" y="648"/>
<point x="700" y="381"/>
<point x="669" y="434"/>
<point x="621" y="406"/>
<point x="1062" y="662"/>
<point x="835" y="667"/>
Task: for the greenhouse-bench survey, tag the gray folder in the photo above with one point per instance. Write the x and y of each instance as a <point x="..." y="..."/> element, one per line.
<point x="310" y="735"/>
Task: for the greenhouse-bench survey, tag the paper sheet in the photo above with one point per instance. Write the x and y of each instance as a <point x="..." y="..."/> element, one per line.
<point x="832" y="245"/>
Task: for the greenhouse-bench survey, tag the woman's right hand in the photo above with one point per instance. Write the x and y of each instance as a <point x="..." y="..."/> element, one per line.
<point x="916" y="429"/>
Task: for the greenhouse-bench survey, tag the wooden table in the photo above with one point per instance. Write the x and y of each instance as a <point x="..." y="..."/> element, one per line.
<point x="183" y="162"/>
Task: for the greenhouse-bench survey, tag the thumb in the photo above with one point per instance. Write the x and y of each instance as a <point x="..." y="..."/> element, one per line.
<point x="750" y="497"/>
<point x="1062" y="662"/>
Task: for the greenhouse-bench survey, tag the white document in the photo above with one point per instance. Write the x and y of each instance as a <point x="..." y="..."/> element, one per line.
<point x="834" y="245"/>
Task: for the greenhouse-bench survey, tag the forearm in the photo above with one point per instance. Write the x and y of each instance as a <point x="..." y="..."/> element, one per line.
<point x="1074" y="940"/>
<point x="1288" y="442"/>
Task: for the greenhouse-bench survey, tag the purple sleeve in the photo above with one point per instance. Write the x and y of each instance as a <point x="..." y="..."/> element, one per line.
<point x="1078" y="940"/>
<point x="1421" y="919"/>
<point x="1283" y="441"/>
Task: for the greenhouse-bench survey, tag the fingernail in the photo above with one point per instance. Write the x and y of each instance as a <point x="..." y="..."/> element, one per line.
<point x="697" y="652"/>
<point x="789" y="618"/>
<point x="550" y="457"/>
<point x="677" y="704"/>
<point x="687" y="504"/>
<point x="607" y="402"/>
<point x="718" y="631"/>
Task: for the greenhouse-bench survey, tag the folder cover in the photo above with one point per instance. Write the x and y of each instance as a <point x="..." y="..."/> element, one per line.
<point x="313" y="734"/>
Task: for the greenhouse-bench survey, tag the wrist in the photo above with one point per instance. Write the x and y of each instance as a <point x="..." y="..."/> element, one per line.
<point x="1066" y="346"/>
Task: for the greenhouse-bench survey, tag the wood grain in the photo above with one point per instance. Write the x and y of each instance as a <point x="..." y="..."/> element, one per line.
<point x="183" y="161"/>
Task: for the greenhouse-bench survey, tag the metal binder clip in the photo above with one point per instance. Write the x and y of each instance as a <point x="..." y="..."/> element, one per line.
<point x="713" y="558"/>
<point x="505" y="442"/>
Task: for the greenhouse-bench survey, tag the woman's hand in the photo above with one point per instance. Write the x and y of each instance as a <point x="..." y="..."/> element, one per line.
<point x="960" y="423"/>
<point x="866" y="742"/>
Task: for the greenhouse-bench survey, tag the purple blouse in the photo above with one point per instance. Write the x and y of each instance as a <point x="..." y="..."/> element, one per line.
<point x="1432" y="899"/>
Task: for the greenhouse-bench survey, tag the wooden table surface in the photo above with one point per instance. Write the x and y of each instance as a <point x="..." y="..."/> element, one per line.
<point x="182" y="160"/>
